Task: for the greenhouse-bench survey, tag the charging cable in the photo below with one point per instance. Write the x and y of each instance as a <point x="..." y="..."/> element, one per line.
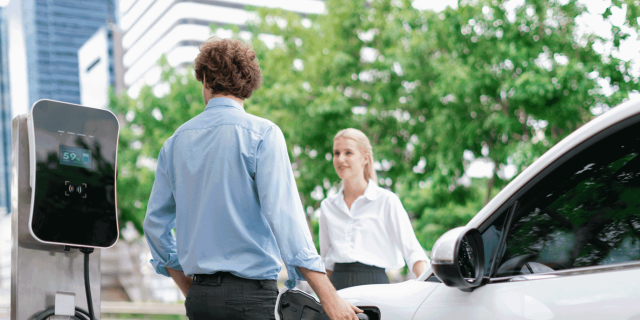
<point x="87" y="284"/>
<point x="81" y="314"/>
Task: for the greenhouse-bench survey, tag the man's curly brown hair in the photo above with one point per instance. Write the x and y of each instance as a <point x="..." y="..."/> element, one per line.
<point x="229" y="67"/>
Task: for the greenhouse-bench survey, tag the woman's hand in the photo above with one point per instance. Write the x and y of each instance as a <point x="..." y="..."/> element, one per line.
<point x="419" y="267"/>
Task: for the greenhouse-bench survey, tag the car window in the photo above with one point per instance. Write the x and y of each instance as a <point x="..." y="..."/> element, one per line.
<point x="586" y="212"/>
<point x="491" y="239"/>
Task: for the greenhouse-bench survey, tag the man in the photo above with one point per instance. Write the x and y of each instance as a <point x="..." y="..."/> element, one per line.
<point x="224" y="182"/>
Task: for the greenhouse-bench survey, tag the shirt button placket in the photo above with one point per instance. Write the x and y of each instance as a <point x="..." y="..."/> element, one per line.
<point x="349" y="237"/>
<point x="351" y="223"/>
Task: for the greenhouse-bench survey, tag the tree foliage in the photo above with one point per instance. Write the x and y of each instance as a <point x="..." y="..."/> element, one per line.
<point x="432" y="90"/>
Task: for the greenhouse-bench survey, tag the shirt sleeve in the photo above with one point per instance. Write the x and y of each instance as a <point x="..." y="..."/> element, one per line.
<point x="404" y="235"/>
<point x="282" y="207"/>
<point x="325" y="240"/>
<point x="160" y="220"/>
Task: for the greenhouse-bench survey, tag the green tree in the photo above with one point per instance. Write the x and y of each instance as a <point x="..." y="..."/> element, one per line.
<point x="503" y="83"/>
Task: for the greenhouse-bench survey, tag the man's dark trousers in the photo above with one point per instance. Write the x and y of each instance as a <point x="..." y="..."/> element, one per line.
<point x="225" y="296"/>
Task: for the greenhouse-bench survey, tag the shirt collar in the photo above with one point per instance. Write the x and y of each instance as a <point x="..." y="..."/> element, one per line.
<point x="223" y="102"/>
<point x="371" y="192"/>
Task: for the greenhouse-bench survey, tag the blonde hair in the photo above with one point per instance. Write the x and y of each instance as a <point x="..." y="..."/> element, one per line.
<point x="364" y="145"/>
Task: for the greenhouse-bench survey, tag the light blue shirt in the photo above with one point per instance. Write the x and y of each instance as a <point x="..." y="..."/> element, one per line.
<point x="224" y="182"/>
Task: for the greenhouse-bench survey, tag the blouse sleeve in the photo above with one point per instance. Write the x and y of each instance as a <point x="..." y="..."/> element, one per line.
<point x="404" y="236"/>
<point x="325" y="241"/>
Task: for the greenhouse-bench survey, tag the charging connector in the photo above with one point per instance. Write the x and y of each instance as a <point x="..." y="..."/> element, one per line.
<point x="80" y="314"/>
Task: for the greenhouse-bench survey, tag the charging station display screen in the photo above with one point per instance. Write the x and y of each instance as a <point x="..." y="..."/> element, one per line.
<point x="76" y="157"/>
<point x="74" y="192"/>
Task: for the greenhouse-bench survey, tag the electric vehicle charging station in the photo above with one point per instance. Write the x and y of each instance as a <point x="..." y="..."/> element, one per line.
<point x="64" y="206"/>
<point x="63" y="201"/>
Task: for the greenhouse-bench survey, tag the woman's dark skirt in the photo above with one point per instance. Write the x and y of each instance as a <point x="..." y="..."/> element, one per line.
<point x="353" y="274"/>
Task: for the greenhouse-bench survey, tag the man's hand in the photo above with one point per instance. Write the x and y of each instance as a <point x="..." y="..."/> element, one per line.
<point x="335" y="307"/>
<point x="183" y="282"/>
<point x="339" y="309"/>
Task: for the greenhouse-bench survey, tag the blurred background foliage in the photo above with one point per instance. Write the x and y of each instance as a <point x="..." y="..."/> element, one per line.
<point x="434" y="91"/>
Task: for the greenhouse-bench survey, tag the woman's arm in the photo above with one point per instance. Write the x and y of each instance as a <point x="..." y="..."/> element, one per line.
<point x="404" y="237"/>
<point x="325" y="241"/>
<point x="419" y="267"/>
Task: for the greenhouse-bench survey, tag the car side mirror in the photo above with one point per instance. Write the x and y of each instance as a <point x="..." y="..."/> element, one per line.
<point x="457" y="258"/>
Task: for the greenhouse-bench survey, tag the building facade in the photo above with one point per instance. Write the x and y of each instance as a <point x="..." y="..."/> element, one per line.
<point x="5" y="168"/>
<point x="54" y="30"/>
<point x="175" y="28"/>
<point x="41" y="39"/>
<point x="100" y="67"/>
<point x="5" y="117"/>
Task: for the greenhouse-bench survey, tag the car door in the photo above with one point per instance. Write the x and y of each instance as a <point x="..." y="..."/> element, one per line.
<point x="566" y="245"/>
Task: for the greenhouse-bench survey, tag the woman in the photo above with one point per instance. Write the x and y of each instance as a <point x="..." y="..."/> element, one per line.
<point x="363" y="228"/>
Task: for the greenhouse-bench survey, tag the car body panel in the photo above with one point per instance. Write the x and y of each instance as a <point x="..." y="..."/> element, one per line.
<point x="602" y="295"/>
<point x="397" y="301"/>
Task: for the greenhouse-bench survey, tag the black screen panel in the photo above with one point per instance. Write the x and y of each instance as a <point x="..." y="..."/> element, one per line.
<point x="74" y="196"/>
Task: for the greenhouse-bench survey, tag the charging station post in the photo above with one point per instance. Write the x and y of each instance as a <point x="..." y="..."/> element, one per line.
<point x="49" y="227"/>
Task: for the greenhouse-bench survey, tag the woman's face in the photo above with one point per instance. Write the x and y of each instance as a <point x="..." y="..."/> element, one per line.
<point x="348" y="161"/>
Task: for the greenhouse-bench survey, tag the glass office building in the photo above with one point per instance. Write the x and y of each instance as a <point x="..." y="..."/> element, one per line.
<point x="54" y="31"/>
<point x="5" y="118"/>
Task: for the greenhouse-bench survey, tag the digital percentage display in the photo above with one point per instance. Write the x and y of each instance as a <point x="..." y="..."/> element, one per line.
<point x="76" y="157"/>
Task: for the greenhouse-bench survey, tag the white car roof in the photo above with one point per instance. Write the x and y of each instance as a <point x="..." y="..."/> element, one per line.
<point x="593" y="127"/>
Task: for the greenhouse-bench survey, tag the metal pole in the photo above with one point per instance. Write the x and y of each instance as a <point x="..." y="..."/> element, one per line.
<point x="39" y="270"/>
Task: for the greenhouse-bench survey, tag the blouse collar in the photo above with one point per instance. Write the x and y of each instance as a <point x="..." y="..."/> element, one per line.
<point x="371" y="192"/>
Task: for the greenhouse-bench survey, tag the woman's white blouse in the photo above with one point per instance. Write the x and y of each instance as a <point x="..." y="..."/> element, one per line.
<point x="376" y="231"/>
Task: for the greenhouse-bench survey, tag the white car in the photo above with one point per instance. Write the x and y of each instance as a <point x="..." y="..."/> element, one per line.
<point x="561" y="241"/>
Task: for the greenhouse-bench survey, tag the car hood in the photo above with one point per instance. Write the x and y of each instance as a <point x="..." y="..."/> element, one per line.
<point x="398" y="301"/>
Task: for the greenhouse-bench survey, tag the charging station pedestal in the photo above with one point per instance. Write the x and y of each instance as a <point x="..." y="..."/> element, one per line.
<point x="40" y="270"/>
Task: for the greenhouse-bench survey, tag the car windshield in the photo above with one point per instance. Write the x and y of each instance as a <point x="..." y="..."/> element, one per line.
<point x="584" y="213"/>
